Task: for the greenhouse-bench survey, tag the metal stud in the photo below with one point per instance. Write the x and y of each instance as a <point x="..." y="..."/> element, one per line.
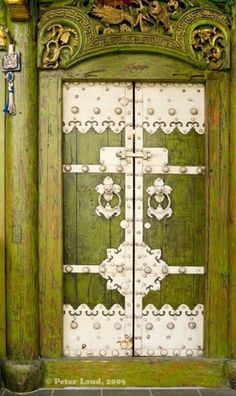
<point x="192" y="325"/>
<point x="172" y="112"/>
<point x="164" y="352"/>
<point x="68" y="168"/>
<point x="119" y="168"/>
<point x="102" y="353"/>
<point x="74" y="324"/>
<point x="148" y="169"/>
<point x="170" y="325"/>
<point x="165" y="169"/>
<point x="183" y="169"/>
<point x="74" y="109"/>
<point x="118" y="110"/>
<point x="149" y="326"/>
<point x="194" y="111"/>
<point x="102" y="168"/>
<point x="97" y="325"/>
<point x="117" y="326"/>
<point x="150" y="111"/>
<point x="200" y="170"/>
<point x="182" y="270"/>
<point x="189" y="352"/>
<point x="123" y="101"/>
<point x="176" y="353"/>
<point x="148" y="270"/>
<point x="165" y="270"/>
<point x="115" y="352"/>
<point x="124" y="224"/>
<point x="85" y="168"/>
<point x="68" y="268"/>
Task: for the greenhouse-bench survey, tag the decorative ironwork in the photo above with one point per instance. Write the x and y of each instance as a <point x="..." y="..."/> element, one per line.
<point x="159" y="192"/>
<point x="210" y="42"/>
<point x="107" y="191"/>
<point x="61" y="38"/>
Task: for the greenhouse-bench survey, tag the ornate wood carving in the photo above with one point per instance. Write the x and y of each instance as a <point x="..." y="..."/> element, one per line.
<point x="18" y="9"/>
<point x="183" y="29"/>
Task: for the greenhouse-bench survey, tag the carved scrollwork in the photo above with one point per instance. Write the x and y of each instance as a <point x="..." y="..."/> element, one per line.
<point x="210" y="42"/>
<point x="60" y="38"/>
<point x="3" y="36"/>
<point x="107" y="191"/>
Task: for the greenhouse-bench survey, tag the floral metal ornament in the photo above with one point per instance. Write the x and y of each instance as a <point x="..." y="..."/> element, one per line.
<point x="159" y="191"/>
<point x="210" y="42"/>
<point x="107" y="192"/>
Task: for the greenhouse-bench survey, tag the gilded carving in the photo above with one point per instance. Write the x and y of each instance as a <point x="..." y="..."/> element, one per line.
<point x="3" y="36"/>
<point x="61" y="38"/>
<point x="18" y="9"/>
<point x="210" y="43"/>
<point x="148" y="25"/>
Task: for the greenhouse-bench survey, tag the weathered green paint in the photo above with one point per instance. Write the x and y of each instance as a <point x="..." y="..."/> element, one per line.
<point x="21" y="204"/>
<point x="230" y="372"/>
<point x="50" y="217"/>
<point x="23" y="377"/>
<point x="136" y="372"/>
<point x="2" y="207"/>
<point x="232" y="222"/>
<point x="217" y="303"/>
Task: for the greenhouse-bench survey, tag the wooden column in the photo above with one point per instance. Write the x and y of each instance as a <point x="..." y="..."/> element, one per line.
<point x="22" y="219"/>
<point x="233" y="190"/>
<point x="2" y="204"/>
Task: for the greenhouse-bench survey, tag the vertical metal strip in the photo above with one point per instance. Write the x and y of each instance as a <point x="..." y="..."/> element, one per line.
<point x="138" y="238"/>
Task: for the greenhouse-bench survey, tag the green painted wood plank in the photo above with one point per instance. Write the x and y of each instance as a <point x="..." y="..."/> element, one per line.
<point x="2" y="224"/>
<point x="50" y="217"/>
<point x="136" y="372"/>
<point x="218" y="188"/>
<point x="232" y="222"/>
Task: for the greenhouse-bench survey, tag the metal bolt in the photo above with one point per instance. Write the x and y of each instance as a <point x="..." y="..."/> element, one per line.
<point x="192" y="325"/>
<point x="96" y="325"/>
<point x="119" y="168"/>
<point x="194" y="111"/>
<point x="149" y="326"/>
<point x="200" y="170"/>
<point x="68" y="268"/>
<point x="148" y="270"/>
<point x="172" y="111"/>
<point x="102" y="168"/>
<point x="183" y="169"/>
<point x="67" y="168"/>
<point x="165" y="169"/>
<point x="85" y="168"/>
<point x="74" y="324"/>
<point x="148" y="169"/>
<point x="182" y="270"/>
<point x="170" y="325"/>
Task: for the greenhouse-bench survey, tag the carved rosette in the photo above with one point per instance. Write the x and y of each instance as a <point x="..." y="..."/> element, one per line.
<point x="69" y="35"/>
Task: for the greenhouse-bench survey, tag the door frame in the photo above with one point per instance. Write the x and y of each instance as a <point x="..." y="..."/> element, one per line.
<point x="153" y="69"/>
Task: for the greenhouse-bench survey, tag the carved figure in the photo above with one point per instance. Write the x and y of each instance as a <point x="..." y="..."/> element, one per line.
<point x="111" y="16"/>
<point x="160" y="14"/>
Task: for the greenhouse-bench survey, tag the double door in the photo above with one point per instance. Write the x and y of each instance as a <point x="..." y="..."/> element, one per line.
<point x="134" y="219"/>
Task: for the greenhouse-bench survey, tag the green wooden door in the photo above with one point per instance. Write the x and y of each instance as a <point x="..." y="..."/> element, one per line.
<point x="134" y="219"/>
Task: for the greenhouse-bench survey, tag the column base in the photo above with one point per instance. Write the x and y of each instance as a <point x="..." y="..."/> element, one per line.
<point x="230" y="372"/>
<point x="23" y="377"/>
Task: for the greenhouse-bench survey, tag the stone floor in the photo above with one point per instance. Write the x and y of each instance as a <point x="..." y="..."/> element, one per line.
<point x="128" y="392"/>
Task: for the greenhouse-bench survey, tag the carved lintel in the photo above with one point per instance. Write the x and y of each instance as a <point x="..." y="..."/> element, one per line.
<point x="18" y="9"/>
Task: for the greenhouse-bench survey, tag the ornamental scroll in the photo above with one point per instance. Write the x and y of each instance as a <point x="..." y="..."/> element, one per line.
<point x="193" y="31"/>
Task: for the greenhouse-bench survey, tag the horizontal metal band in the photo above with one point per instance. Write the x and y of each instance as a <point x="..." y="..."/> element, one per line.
<point x="94" y="269"/>
<point x="154" y="169"/>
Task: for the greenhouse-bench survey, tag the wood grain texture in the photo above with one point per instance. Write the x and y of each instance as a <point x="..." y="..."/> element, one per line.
<point x="137" y="372"/>
<point x="232" y="222"/>
<point x="22" y="205"/>
<point x="2" y="209"/>
<point x="50" y="217"/>
<point x="217" y="318"/>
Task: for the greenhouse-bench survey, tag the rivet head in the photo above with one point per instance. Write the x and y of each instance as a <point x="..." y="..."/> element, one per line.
<point x="117" y="326"/>
<point x="85" y="168"/>
<point x="102" y="168"/>
<point x="115" y="352"/>
<point x="102" y="269"/>
<point x="172" y="111"/>
<point x="165" y="169"/>
<point x="68" y="268"/>
<point x="148" y="270"/>
<point x="165" y="270"/>
<point x="119" y="168"/>
<point x="67" y="168"/>
<point x="97" y="110"/>
<point x="150" y="352"/>
<point x="147" y="226"/>
<point x="183" y="169"/>
<point x="120" y="268"/>
<point x="170" y="326"/>
<point x="192" y="325"/>
<point x="74" y="324"/>
<point x="74" y="109"/>
<point x="200" y="353"/>
<point x="149" y="326"/>
<point x="150" y="111"/>
<point x="164" y="352"/>
<point x="118" y="110"/>
<point x="200" y="170"/>
<point x="124" y="224"/>
<point x="148" y="169"/>
<point x="123" y="101"/>
<point x="182" y="270"/>
<point x="102" y="353"/>
<point x="176" y="353"/>
<point x="96" y="325"/>
<point x="194" y="111"/>
<point x="189" y="352"/>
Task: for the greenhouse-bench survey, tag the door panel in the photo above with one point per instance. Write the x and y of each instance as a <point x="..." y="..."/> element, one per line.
<point x="134" y="219"/>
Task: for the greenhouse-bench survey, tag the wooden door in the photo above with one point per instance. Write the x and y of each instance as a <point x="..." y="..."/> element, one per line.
<point x="134" y="219"/>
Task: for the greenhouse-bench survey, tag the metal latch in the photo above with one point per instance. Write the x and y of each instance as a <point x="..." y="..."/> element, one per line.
<point x="123" y="154"/>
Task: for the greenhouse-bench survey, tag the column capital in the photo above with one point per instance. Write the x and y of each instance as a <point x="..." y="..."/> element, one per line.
<point x="18" y="9"/>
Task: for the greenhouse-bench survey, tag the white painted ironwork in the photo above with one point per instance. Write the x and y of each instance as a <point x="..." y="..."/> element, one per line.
<point x="107" y="192"/>
<point x="89" y="332"/>
<point x="158" y="192"/>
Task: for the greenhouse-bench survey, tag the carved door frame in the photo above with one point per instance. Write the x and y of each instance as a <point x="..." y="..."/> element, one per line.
<point x="50" y="183"/>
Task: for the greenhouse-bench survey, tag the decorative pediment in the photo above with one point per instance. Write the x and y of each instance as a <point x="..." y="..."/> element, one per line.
<point x="183" y="29"/>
